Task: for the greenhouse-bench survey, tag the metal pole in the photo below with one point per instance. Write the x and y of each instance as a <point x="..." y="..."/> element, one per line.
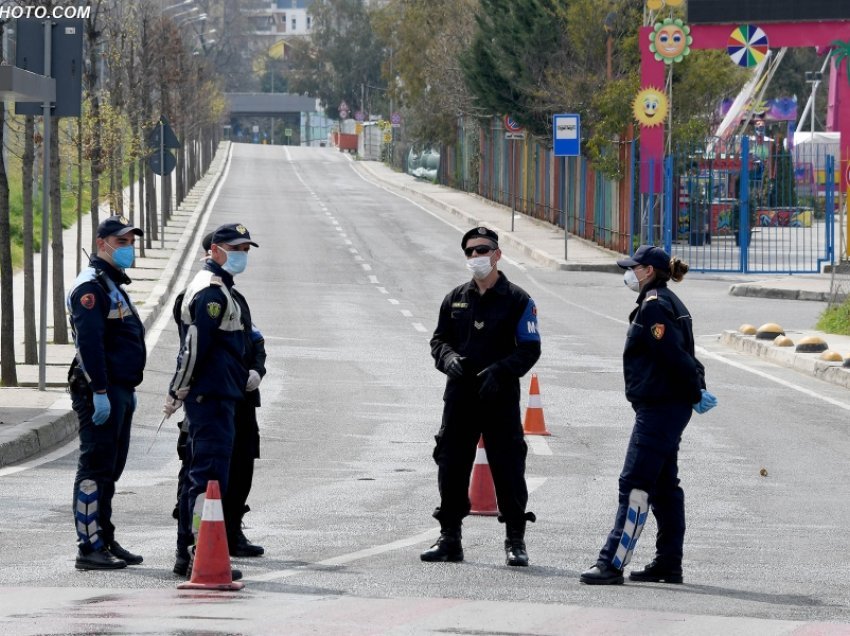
<point x="514" y="181"/>
<point x="162" y="181"/>
<point x="45" y="214"/>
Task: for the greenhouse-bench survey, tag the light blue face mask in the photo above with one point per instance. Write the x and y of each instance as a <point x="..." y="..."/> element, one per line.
<point x="236" y="262"/>
<point x="123" y="257"/>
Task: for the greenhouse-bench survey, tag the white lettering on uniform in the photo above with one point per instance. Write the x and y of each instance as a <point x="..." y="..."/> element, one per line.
<point x="532" y="327"/>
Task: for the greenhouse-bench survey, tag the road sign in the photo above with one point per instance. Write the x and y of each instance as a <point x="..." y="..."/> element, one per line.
<point x="170" y="138"/>
<point x="66" y="62"/>
<point x="511" y="125"/>
<point x="287" y="132"/>
<point x="156" y="167"/>
<point x="567" y="130"/>
<point x="395" y="120"/>
<point x="515" y="135"/>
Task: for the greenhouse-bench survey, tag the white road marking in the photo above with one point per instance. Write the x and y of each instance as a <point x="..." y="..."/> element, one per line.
<point x="420" y="327"/>
<point x="407" y="313"/>
<point x="366" y="267"/>
<point x="383" y="290"/>
<point x="426" y="535"/>
<point x="392" y="301"/>
<point x="373" y="279"/>
<point x="538" y="444"/>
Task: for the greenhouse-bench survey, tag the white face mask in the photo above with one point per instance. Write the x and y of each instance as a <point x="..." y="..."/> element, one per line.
<point x="631" y="280"/>
<point x="480" y="266"/>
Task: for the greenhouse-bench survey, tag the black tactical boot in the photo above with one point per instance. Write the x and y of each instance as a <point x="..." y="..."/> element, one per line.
<point x="658" y="572"/>
<point x="602" y="574"/>
<point x="98" y="560"/>
<point x="515" y="544"/>
<point x="239" y="546"/>
<point x="125" y="555"/>
<point x="447" y="547"/>
<point x="181" y="561"/>
<point x="235" y="574"/>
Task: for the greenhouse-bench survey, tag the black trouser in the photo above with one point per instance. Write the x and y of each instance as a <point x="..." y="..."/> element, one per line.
<point x="466" y="417"/>
<point x="103" y="455"/>
<point x="246" y="448"/>
<point x="651" y="465"/>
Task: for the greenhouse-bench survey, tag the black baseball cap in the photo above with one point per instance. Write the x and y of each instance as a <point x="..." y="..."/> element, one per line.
<point x="480" y="232"/>
<point x="206" y="242"/>
<point x="232" y="234"/>
<point x="116" y="226"/>
<point x="647" y="255"/>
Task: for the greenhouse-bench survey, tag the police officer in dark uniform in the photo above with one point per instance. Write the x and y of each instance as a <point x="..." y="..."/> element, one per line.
<point x="664" y="383"/>
<point x="211" y="375"/>
<point x="110" y="341"/>
<point x="486" y="339"/>
<point x="246" y="440"/>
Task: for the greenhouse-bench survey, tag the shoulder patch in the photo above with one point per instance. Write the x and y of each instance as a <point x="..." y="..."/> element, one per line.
<point x="651" y="295"/>
<point x="88" y="300"/>
<point x="216" y="280"/>
<point x="213" y="310"/>
<point x="657" y="331"/>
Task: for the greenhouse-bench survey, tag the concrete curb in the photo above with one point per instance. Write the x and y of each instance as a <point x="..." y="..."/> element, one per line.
<point x="505" y="236"/>
<point x="759" y="290"/>
<point x="832" y="372"/>
<point x="37" y="435"/>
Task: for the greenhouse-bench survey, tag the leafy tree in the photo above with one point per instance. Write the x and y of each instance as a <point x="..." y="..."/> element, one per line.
<point x="342" y="59"/>
<point x="426" y="38"/>
<point x="519" y="46"/>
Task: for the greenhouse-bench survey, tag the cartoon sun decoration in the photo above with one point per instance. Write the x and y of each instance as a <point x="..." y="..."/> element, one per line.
<point x="670" y="40"/>
<point x="650" y="107"/>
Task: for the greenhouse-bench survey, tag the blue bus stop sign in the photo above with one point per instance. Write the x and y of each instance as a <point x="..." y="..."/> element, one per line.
<point x="567" y="129"/>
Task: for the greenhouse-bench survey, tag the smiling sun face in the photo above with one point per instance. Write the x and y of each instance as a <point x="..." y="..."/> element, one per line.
<point x="670" y="40"/>
<point x="650" y="107"/>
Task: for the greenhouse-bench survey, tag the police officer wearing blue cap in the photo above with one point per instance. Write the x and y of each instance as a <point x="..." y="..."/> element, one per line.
<point x="664" y="383"/>
<point x="211" y="374"/>
<point x="110" y="359"/>
<point x="486" y="339"/>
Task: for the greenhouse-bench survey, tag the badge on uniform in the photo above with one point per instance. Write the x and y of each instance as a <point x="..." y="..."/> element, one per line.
<point x="478" y="325"/>
<point x="87" y="301"/>
<point x="657" y="331"/>
<point x="213" y="310"/>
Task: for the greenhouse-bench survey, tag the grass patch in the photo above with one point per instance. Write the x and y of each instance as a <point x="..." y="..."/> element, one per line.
<point x="836" y="319"/>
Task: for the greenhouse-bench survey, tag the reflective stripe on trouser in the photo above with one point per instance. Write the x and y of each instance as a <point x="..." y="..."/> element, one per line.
<point x="85" y="514"/>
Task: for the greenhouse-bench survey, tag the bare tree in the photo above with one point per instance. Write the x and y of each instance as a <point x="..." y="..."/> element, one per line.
<point x="30" y="337"/>
<point x="8" y="372"/>
<point x="60" y="328"/>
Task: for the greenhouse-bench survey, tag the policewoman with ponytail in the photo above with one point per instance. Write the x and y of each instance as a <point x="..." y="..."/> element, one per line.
<point x="664" y="383"/>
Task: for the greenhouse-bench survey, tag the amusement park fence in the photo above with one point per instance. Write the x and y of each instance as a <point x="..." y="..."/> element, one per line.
<point x="743" y="205"/>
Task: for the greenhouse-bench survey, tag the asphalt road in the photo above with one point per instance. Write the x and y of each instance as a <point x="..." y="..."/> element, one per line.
<point x="346" y="286"/>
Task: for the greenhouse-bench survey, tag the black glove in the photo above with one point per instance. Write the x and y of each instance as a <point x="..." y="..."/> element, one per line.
<point x="454" y="367"/>
<point x="489" y="382"/>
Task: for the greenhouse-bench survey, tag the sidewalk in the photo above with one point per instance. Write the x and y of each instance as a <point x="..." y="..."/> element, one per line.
<point x="32" y="421"/>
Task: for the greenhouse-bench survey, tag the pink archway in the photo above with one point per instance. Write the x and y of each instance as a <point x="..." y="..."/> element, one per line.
<point x="780" y="34"/>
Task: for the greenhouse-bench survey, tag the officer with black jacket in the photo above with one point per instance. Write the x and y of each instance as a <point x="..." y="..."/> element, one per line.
<point x="486" y="339"/>
<point x="664" y="383"/>
<point x="110" y="342"/>
<point x="211" y="375"/>
<point x="246" y="440"/>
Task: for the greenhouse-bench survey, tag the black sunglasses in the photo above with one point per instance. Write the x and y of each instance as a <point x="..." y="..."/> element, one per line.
<point x="478" y="249"/>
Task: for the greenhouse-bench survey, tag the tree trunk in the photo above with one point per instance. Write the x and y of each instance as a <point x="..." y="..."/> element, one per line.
<point x="30" y="336"/>
<point x="8" y="372"/>
<point x="60" y="326"/>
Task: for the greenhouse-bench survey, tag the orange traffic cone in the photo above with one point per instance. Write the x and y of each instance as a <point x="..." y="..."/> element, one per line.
<point x="211" y="568"/>
<point x="534" y="423"/>
<point x="482" y="491"/>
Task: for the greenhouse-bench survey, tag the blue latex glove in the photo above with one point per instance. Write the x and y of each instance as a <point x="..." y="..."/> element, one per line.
<point x="706" y="403"/>
<point x="102" y="408"/>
